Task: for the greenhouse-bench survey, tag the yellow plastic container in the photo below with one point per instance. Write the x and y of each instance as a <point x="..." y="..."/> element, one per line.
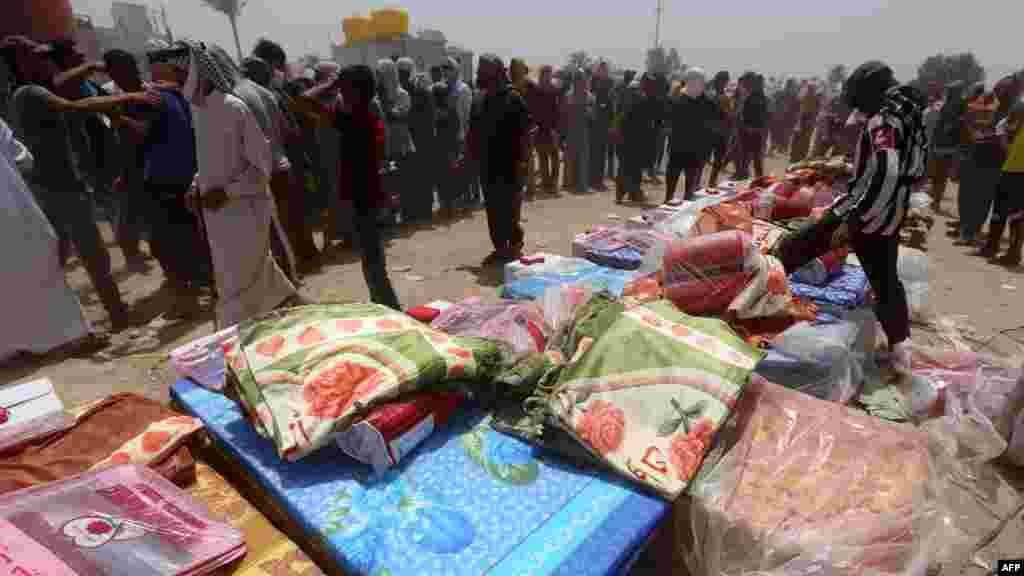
<point x="389" y="23"/>
<point x="357" y="29"/>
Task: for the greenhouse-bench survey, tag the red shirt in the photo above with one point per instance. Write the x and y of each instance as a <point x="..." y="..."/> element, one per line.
<point x="362" y="145"/>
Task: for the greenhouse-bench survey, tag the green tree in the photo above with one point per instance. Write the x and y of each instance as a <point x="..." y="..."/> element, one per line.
<point x="232" y="9"/>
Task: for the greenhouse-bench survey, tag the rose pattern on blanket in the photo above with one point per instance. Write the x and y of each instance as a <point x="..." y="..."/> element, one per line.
<point x="305" y="374"/>
<point x="388" y="514"/>
<point x="649" y="387"/>
<point x="155" y="443"/>
<point x="506" y="459"/>
<point x="603" y="426"/>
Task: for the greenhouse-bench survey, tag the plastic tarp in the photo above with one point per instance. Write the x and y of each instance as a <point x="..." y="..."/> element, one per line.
<point x="788" y="491"/>
<point x="828" y="361"/>
<point x="519" y="325"/>
<point x="620" y="248"/>
<point x="983" y="389"/>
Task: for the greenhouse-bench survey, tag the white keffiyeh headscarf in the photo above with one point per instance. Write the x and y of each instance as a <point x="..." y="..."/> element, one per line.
<point x="208" y="67"/>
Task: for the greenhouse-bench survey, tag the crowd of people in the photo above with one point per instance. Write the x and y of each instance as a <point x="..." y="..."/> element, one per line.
<point x="226" y="168"/>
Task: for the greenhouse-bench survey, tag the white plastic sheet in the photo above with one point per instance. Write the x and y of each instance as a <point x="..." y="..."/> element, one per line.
<point x="912" y="266"/>
<point x="828" y="361"/>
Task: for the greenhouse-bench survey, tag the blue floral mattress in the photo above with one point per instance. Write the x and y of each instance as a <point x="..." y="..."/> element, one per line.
<point x="599" y="278"/>
<point x="847" y="289"/>
<point x="468" y="501"/>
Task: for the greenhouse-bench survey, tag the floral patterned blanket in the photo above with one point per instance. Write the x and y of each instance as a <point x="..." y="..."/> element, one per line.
<point x="646" y="388"/>
<point x="304" y="374"/>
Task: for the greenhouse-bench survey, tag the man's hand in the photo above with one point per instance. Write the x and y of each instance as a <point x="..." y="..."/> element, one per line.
<point x="214" y="199"/>
<point x="148" y="98"/>
<point x="841" y="237"/>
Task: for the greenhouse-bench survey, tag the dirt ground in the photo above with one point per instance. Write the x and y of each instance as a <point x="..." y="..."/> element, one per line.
<point x="442" y="261"/>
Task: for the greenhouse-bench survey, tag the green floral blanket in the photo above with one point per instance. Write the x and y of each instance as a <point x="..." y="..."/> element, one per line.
<point x="647" y="387"/>
<point x="304" y="374"/>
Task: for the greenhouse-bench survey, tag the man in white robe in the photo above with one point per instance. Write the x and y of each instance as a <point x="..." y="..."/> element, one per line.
<point x="40" y="311"/>
<point x="232" y="184"/>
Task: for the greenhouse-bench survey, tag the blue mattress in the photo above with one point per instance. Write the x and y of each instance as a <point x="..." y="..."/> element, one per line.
<point x="600" y="279"/>
<point x="844" y="291"/>
<point x="468" y="501"/>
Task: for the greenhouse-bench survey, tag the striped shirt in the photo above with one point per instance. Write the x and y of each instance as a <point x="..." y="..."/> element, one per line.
<point x="890" y="159"/>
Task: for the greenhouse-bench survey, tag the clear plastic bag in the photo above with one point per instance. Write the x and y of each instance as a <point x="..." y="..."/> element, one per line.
<point x="828" y="361"/>
<point x="560" y="304"/>
<point x="979" y="389"/>
<point x="790" y="492"/>
<point x="920" y="200"/>
<point x="912" y="266"/>
<point x="702" y="275"/>
<point x="118" y="520"/>
<point x="519" y="325"/>
<point x="203" y="361"/>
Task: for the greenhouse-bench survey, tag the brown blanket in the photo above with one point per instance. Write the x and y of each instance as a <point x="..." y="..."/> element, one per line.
<point x="124" y="428"/>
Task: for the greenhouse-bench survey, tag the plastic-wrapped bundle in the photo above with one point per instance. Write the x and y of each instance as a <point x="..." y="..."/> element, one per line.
<point x="619" y="248"/>
<point x="795" y="495"/>
<point x="818" y="271"/>
<point x="390" y="432"/>
<point x="733" y="215"/>
<point x="827" y="361"/>
<point x="702" y="275"/>
<point x="654" y="216"/>
<point x="202" y="360"/>
<point x="846" y="290"/>
<point x="520" y="325"/>
<point x="546" y="264"/>
<point x="912" y="267"/>
<point x="599" y="278"/>
<point x="117" y="520"/>
<point x="988" y="389"/>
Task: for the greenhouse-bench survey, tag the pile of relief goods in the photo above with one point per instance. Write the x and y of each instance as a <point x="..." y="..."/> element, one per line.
<point x="672" y="352"/>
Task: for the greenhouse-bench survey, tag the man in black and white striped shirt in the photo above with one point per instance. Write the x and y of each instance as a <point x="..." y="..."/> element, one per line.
<point x="890" y="159"/>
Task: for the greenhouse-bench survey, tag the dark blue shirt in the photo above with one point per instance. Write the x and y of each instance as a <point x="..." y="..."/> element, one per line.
<point x="170" y="146"/>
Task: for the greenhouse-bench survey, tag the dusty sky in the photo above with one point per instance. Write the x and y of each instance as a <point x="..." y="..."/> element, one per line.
<point x="802" y="37"/>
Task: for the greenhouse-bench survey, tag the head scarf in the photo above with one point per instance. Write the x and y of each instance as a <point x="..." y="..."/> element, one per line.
<point x="498" y="65"/>
<point x="694" y="80"/>
<point x="155" y="44"/>
<point x="208" y="66"/>
<point x="257" y="70"/>
<point x="865" y="89"/>
<point x="1006" y="88"/>
<point x="406" y="64"/>
<point x="453" y="64"/>
<point x="976" y="90"/>
<point x="387" y="77"/>
<point x="324" y="69"/>
<point x="177" y="55"/>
